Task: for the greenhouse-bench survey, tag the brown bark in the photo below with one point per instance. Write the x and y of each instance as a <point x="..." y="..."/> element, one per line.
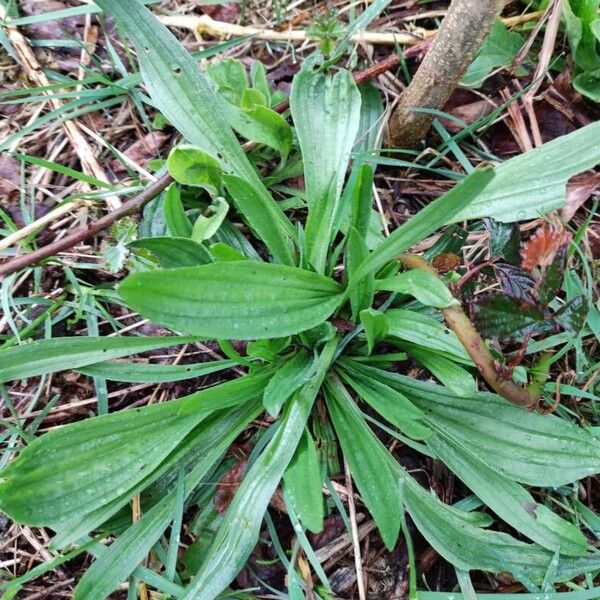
<point x="460" y="36"/>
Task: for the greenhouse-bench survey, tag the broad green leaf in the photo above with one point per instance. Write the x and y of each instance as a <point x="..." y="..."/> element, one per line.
<point x="509" y="500"/>
<point x="588" y="84"/>
<point x="389" y="403"/>
<point x="580" y="18"/>
<point x="303" y="484"/>
<point x="498" y="50"/>
<point x="425" y="222"/>
<point x="61" y="354"/>
<point x="499" y="316"/>
<point x="368" y="461"/>
<point x="326" y="113"/>
<point x="118" y="561"/>
<point x="425" y="331"/>
<point x="252" y="98"/>
<point x="239" y="531"/>
<point x="541" y="450"/>
<point x="457" y="379"/>
<point x="292" y="374"/>
<point x="173" y="252"/>
<point x="81" y="467"/>
<point x="186" y="97"/>
<point x="426" y="287"/>
<point x="233" y="300"/>
<point x="534" y="183"/>
<point x="193" y="166"/>
<point x="178" y="222"/>
<point x="207" y="224"/>
<point x="465" y="545"/>
<point x="153" y="373"/>
<point x="222" y="252"/>
<point x="376" y="325"/>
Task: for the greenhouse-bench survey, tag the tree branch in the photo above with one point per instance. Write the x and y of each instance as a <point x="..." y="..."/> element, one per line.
<point x="459" y="322"/>
<point x="459" y="38"/>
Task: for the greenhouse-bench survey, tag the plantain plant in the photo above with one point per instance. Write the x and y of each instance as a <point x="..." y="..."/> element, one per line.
<point x="319" y="341"/>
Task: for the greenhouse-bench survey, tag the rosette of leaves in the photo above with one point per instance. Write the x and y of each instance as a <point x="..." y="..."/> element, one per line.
<point x="313" y="336"/>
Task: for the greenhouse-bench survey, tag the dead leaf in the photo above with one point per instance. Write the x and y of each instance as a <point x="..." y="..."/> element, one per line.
<point x="446" y="262"/>
<point x="579" y="189"/>
<point x="227" y="13"/>
<point x="228" y="486"/>
<point x="10" y="169"/>
<point x="541" y="248"/>
<point x="142" y="151"/>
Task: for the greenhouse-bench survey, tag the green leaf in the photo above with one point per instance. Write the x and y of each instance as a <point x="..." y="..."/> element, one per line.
<point x="252" y="98"/>
<point x="425" y="222"/>
<point x="504" y="241"/>
<point x="360" y="189"/>
<point x="425" y="331"/>
<point x="534" y="449"/>
<point x="77" y="469"/>
<point x="230" y="76"/>
<point x="498" y="316"/>
<point x="509" y="500"/>
<point x="173" y="252"/>
<point x="498" y="50"/>
<point x="287" y="379"/>
<point x="186" y="97"/>
<point x="371" y="119"/>
<point x="376" y="325"/>
<point x="303" y="484"/>
<point x="239" y="530"/>
<point x="260" y="82"/>
<point x="207" y="225"/>
<point x="153" y="373"/>
<point x="222" y="252"/>
<point x="534" y="183"/>
<point x="391" y="404"/>
<point x="459" y="540"/>
<point x="580" y="17"/>
<point x="573" y="315"/>
<point x="326" y="113"/>
<point x="193" y="166"/>
<point x="368" y="461"/>
<point x="62" y="354"/>
<point x="178" y="222"/>
<point x="459" y="380"/>
<point x="426" y="287"/>
<point x="588" y="84"/>
<point x="233" y="300"/>
<point x="117" y="562"/>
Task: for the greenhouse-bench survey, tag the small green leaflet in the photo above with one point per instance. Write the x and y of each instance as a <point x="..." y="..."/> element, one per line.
<point x="193" y="166"/>
<point x="426" y="287"/>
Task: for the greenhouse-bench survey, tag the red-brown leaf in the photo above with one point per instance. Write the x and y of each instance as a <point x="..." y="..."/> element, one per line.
<point x="541" y="248"/>
<point x="228" y="486"/>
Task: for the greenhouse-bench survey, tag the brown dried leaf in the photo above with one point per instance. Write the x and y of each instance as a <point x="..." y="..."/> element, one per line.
<point x="142" y="151"/>
<point x="446" y="262"/>
<point x="579" y="189"/>
<point x="228" y="13"/>
<point x="541" y="248"/>
<point x="228" y="486"/>
<point x="9" y="176"/>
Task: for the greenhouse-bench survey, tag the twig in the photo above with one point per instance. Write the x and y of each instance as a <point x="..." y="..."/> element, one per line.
<point x="459" y="322"/>
<point x="360" y="583"/>
<point x="83" y="150"/>
<point x="158" y="186"/>
<point x="206" y="25"/>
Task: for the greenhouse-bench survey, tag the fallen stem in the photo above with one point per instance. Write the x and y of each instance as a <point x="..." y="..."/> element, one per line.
<point x="458" y="321"/>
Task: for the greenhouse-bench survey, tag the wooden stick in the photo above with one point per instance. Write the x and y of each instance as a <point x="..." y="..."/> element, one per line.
<point x="204" y="24"/>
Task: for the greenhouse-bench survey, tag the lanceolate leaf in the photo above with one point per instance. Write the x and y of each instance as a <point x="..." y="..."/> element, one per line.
<point x="534" y="183"/>
<point x="185" y="96"/>
<point x="174" y="252"/>
<point x="81" y="467"/>
<point x="326" y="113"/>
<point x="303" y="484"/>
<point x="368" y="460"/>
<point x="426" y="287"/>
<point x="119" y="560"/>
<point x="153" y="373"/>
<point x="541" y="450"/>
<point x="240" y="529"/>
<point x="509" y="500"/>
<point x="460" y="541"/>
<point x="177" y="220"/>
<point x="234" y="300"/>
<point x="60" y="354"/>
<point x="425" y="222"/>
